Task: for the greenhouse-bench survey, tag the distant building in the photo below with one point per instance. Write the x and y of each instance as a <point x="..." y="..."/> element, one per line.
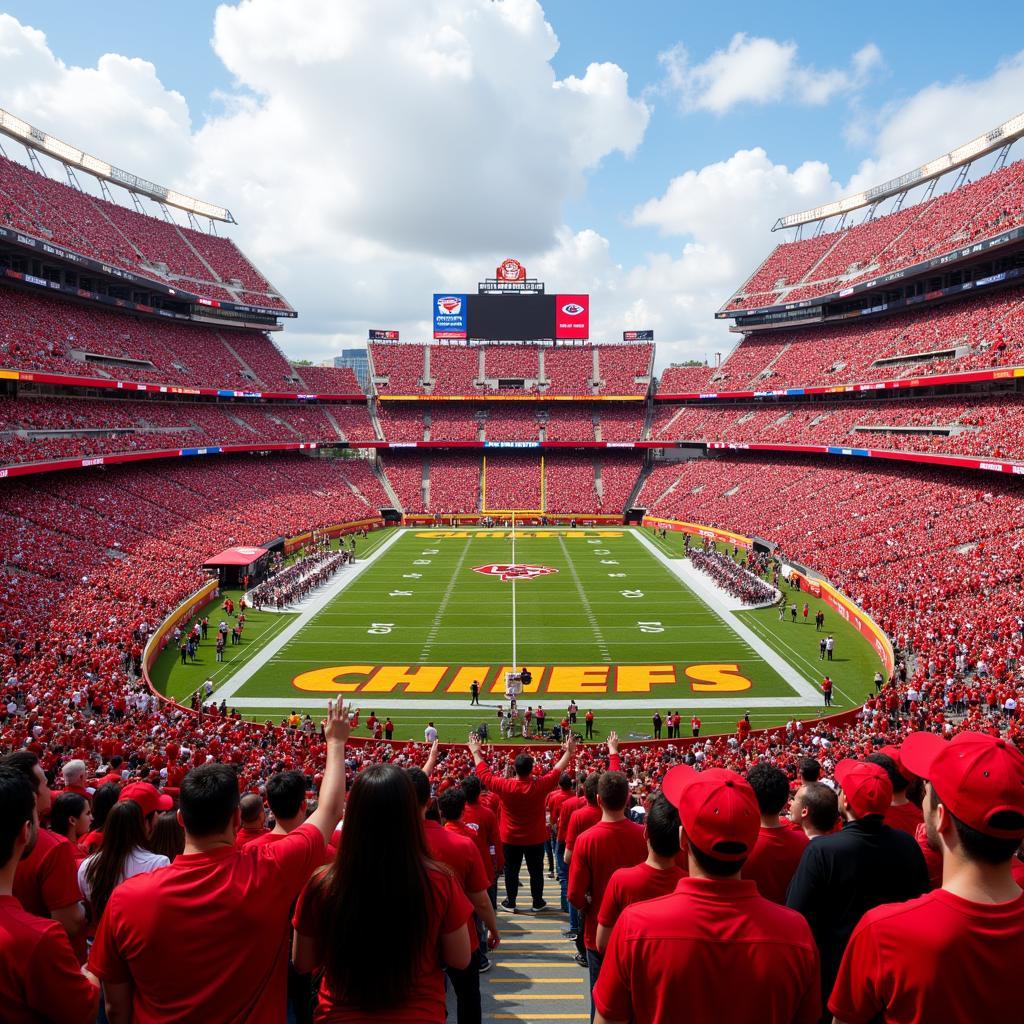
<point x="355" y="358"/>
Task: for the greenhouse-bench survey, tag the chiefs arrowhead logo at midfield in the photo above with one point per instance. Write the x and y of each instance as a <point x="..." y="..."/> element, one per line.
<point x="514" y="572"/>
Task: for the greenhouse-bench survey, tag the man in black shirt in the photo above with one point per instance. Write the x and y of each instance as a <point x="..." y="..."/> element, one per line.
<point x="843" y="875"/>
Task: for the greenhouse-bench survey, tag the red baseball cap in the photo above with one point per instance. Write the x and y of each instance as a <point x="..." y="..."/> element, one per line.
<point x="147" y="797"/>
<point x="716" y="807"/>
<point x="866" y="787"/>
<point x="979" y="778"/>
<point x="893" y="753"/>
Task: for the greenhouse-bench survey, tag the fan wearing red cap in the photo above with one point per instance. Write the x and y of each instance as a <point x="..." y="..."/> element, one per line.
<point x="842" y="876"/>
<point x="902" y="812"/>
<point x="714" y="950"/>
<point x="896" y="967"/>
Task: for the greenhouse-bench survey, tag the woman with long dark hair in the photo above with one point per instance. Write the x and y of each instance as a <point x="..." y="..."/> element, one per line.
<point x="102" y="801"/>
<point x="168" y="836"/>
<point x="71" y="817"/>
<point x="383" y="918"/>
<point x="122" y="855"/>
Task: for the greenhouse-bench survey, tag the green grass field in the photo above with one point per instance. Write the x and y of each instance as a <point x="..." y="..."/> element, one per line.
<point x="613" y="628"/>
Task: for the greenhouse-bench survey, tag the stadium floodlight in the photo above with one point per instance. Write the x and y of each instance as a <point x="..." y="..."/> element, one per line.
<point x="998" y="137"/>
<point x="37" y="139"/>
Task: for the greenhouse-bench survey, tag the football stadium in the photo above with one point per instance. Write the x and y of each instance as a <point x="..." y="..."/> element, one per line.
<point x="514" y="672"/>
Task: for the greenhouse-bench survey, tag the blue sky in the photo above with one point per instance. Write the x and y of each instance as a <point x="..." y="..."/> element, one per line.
<point x="914" y="52"/>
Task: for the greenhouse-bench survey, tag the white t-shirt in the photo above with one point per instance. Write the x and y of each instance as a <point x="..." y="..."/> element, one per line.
<point x="430" y="734"/>
<point x="138" y="863"/>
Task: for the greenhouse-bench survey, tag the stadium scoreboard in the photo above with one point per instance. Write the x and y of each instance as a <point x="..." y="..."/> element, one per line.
<point x="511" y="307"/>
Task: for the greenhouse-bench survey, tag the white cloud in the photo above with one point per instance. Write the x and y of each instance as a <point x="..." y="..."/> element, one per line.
<point x="939" y="118"/>
<point x="756" y="69"/>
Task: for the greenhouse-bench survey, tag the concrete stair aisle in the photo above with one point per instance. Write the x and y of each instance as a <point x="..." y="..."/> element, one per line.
<point x="533" y="976"/>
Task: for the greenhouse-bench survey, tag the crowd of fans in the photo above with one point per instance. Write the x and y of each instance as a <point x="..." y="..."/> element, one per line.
<point x="44" y="332"/>
<point x="111" y="233"/>
<point x="38" y="428"/>
<point x="973" y="333"/>
<point x="732" y="577"/>
<point x="938" y="562"/>
<point x="837" y="259"/>
<point x="983" y="426"/>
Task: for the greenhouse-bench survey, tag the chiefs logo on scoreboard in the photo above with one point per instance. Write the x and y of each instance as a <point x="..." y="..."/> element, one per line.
<point x="511" y="270"/>
<point x="514" y="572"/>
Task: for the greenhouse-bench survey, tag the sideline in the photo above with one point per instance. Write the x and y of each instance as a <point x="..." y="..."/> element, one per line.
<point x="312" y="605"/>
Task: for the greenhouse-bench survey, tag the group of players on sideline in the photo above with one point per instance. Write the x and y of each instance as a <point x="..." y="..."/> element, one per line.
<point x="890" y="891"/>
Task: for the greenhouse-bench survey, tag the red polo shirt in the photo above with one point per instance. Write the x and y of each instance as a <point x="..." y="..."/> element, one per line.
<point x="904" y="816"/>
<point x="458" y="852"/>
<point x="447" y="909"/>
<point x="47" y="879"/>
<point x="936" y="958"/>
<point x="711" y="951"/>
<point x="553" y="805"/>
<point x="584" y="817"/>
<point x="245" y="835"/>
<point x="772" y="863"/>
<point x="40" y="979"/>
<point x="522" y="802"/>
<point x="600" y="851"/>
<point x="565" y="813"/>
<point x="487" y="823"/>
<point x="221" y="920"/>
<point x="634" y="885"/>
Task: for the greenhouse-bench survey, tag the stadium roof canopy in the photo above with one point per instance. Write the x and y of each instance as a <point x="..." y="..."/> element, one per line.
<point x="37" y="139"/>
<point x="1001" y="136"/>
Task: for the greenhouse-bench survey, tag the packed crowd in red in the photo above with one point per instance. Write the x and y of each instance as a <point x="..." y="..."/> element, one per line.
<point x="980" y="426"/>
<point x="406" y="369"/>
<point x="42" y="333"/>
<point x="28" y="426"/>
<point x="111" y="233"/>
<point x="834" y="260"/>
<point x="973" y="333"/>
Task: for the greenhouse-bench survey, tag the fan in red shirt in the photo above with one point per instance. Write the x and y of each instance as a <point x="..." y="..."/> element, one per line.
<point x="778" y="849"/>
<point x="254" y="819"/>
<point x="714" y="950"/>
<point x="345" y="922"/>
<point x="656" y="876"/>
<point x="46" y="879"/>
<point x="614" y="842"/>
<point x="219" y="914"/>
<point x="522" y="818"/>
<point x="40" y="979"/>
<point x="552" y="805"/>
<point x="950" y="955"/>
<point x="903" y="813"/>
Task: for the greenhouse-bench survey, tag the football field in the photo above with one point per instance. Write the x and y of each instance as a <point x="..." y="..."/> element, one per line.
<point x="614" y="619"/>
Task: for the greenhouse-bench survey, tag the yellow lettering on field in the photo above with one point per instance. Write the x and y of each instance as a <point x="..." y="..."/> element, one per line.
<point x="465" y="676"/>
<point x="716" y="678"/>
<point x="411" y="678"/>
<point x="578" y="679"/>
<point x="535" y="670"/>
<point x="325" y="680"/>
<point x="640" y="678"/>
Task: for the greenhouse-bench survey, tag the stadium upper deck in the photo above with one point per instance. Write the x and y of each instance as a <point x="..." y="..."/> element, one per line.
<point x="111" y="235"/>
<point x="939" y="228"/>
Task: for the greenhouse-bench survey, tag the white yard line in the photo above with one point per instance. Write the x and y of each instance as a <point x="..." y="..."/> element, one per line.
<point x="716" y="601"/>
<point x="312" y="605"/>
<point x="585" y="601"/>
<point x="435" y="625"/>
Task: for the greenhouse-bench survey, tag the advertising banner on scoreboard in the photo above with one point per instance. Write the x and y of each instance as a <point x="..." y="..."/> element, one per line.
<point x="572" y="316"/>
<point x="450" y="316"/>
<point x="638" y="335"/>
<point x="376" y="335"/>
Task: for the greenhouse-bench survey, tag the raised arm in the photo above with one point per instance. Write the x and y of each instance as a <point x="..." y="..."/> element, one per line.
<point x="567" y="755"/>
<point x="613" y="752"/>
<point x="431" y="763"/>
<point x="331" y="804"/>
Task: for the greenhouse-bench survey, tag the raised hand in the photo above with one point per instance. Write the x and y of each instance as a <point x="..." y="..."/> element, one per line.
<point x="613" y="742"/>
<point x="337" y="723"/>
